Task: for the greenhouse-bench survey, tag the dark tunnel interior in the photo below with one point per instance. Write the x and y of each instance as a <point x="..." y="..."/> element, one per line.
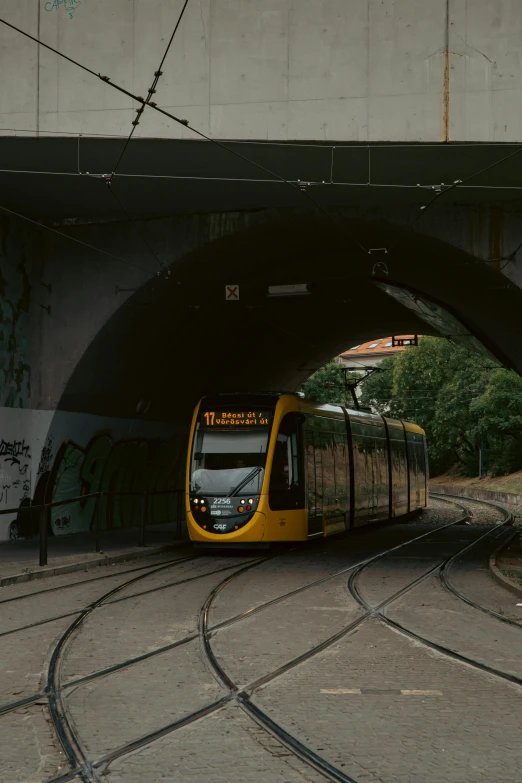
<point x="178" y="338"/>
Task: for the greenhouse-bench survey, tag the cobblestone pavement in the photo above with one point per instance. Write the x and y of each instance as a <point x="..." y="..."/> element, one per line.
<point x="24" y="660"/>
<point x="467" y="729"/>
<point x="472" y="577"/>
<point x="226" y="746"/>
<point x="378" y="705"/>
<point x="115" y="710"/>
<point x="264" y="642"/>
<point x="444" y="619"/>
<point x="120" y="630"/>
<point x="28" y="750"/>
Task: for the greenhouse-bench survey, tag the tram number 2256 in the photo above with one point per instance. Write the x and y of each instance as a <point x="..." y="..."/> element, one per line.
<point x="222" y="502"/>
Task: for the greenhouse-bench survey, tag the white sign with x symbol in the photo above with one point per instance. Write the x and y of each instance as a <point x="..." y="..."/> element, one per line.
<point x="231" y="292"/>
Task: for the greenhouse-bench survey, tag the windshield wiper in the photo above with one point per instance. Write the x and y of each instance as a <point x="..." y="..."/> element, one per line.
<point x="246" y="480"/>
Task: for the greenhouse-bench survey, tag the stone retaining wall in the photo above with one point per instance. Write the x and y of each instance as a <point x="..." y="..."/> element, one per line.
<point x="507" y="498"/>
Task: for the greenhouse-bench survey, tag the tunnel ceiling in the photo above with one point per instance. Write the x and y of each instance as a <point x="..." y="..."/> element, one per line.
<point x="177" y="339"/>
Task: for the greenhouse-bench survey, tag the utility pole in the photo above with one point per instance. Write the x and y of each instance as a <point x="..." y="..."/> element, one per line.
<point x="483" y="468"/>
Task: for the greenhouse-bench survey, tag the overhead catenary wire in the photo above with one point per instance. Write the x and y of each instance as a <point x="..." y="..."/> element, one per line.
<point x="300" y="188"/>
<point x="135" y="123"/>
<point x="186" y="124"/>
<point x="446" y="188"/>
<point x="152" y="88"/>
<point x="196" y="177"/>
<point x="234" y="152"/>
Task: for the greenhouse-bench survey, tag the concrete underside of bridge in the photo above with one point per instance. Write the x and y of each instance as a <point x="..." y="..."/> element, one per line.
<point x="101" y="337"/>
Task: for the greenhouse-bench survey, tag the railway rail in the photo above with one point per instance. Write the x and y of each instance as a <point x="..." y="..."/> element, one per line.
<point x="88" y="768"/>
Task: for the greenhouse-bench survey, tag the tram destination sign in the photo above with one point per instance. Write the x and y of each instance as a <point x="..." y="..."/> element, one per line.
<point x="234" y="419"/>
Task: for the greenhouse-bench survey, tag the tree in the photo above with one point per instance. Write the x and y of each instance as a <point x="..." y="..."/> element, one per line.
<point x="457" y="396"/>
<point x="328" y="385"/>
<point x="497" y="420"/>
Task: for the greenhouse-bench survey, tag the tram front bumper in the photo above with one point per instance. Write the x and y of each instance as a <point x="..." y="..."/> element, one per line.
<point x="254" y="530"/>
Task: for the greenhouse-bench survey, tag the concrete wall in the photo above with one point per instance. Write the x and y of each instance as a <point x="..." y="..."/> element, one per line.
<point x="54" y="456"/>
<point x="52" y="302"/>
<point x="365" y="70"/>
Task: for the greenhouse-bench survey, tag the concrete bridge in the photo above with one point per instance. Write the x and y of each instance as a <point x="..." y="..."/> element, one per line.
<point x="360" y="142"/>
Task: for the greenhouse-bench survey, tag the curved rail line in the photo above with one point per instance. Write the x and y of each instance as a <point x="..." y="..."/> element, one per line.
<point x="124" y="598"/>
<point x="69" y="740"/>
<point x="242" y="696"/>
<point x="77" y="758"/>
<point x="90" y="771"/>
<point x="38" y="593"/>
<point x="444" y="573"/>
<point x="27" y="700"/>
<point x="447" y="651"/>
<point x="9" y="707"/>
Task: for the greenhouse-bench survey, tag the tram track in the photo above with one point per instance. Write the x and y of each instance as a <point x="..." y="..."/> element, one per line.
<point x="243" y="695"/>
<point x="82" y="614"/>
<point x="123" y="598"/>
<point x="80" y="582"/>
<point x="91" y="770"/>
<point x="130" y="661"/>
<point x="442" y="568"/>
<point x="445" y="579"/>
<point x="77" y="757"/>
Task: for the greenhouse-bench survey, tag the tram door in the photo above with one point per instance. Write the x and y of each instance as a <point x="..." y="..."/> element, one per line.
<point x="286" y="490"/>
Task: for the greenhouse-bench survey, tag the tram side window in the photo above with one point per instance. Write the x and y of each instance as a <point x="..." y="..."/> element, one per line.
<point x="314" y="472"/>
<point x="399" y="471"/>
<point x="417" y="467"/>
<point x="326" y="467"/>
<point x="286" y="480"/>
<point x="327" y="448"/>
<point x="342" y="481"/>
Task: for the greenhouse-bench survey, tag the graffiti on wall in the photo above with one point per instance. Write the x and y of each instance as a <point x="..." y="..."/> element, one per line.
<point x="69" y="6"/>
<point x="116" y="468"/>
<point x="15" y="458"/>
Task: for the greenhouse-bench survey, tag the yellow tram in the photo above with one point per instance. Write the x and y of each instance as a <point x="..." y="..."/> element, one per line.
<point x="275" y="467"/>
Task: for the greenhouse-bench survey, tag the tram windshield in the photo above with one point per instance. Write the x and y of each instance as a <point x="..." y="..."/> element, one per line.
<point x="228" y="462"/>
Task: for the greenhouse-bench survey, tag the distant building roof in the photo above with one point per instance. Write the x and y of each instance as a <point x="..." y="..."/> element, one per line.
<point x="382" y="345"/>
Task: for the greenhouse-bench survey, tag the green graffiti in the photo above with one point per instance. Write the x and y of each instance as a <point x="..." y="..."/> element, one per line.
<point x="127" y="466"/>
<point x="15" y="290"/>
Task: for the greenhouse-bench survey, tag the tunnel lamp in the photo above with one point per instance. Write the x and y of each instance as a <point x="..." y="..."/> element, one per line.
<point x="296" y="289"/>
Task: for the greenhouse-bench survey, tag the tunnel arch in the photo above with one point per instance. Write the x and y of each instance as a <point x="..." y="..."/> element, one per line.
<point x="177" y="338"/>
<point x="123" y="418"/>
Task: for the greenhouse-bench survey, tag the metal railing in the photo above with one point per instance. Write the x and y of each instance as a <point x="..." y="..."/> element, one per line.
<point x="44" y="511"/>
